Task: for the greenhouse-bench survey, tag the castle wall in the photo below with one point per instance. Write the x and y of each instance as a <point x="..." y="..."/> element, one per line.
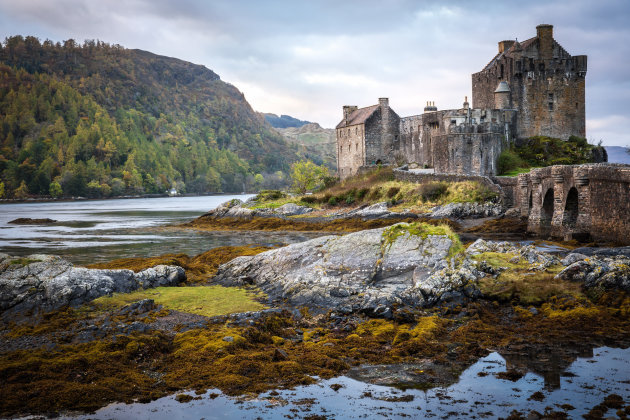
<point x="381" y="137"/>
<point x="411" y="143"/>
<point x="350" y="149"/>
<point x="547" y="88"/>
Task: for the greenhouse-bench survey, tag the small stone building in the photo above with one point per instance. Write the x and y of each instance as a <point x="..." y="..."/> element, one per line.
<point x="530" y="88"/>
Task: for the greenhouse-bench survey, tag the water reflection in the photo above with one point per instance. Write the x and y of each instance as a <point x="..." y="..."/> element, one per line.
<point x="478" y="393"/>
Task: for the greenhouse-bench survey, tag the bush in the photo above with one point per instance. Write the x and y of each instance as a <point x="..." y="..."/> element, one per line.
<point x="269" y="195"/>
<point x="332" y="201"/>
<point x="392" y="192"/>
<point x="309" y="199"/>
<point x="432" y="191"/>
<point x="349" y="199"/>
<point x="362" y="193"/>
<point x="508" y="161"/>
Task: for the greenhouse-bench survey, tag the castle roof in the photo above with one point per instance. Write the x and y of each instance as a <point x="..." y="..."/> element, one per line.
<point x="359" y="116"/>
<point x="523" y="48"/>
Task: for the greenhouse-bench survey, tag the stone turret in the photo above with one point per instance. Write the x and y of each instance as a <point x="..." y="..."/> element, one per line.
<point x="502" y="96"/>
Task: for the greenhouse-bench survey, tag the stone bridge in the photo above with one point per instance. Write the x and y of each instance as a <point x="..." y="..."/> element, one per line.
<point x="584" y="202"/>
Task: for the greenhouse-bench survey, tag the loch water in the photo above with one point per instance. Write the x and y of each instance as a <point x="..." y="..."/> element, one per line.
<point x="91" y="231"/>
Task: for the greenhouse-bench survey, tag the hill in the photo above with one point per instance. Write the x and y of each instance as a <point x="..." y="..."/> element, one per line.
<point x="99" y="119"/>
<point x="283" y="121"/>
<point x="319" y="143"/>
<point x="618" y="154"/>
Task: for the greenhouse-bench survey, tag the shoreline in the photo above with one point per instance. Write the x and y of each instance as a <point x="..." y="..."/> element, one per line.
<point x="122" y="197"/>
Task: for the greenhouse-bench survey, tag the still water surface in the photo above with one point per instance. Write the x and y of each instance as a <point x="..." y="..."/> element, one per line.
<point x="96" y="231"/>
<point x="583" y="385"/>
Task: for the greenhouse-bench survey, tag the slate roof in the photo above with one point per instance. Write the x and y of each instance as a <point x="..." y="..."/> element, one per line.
<point x="524" y="46"/>
<point x="359" y="116"/>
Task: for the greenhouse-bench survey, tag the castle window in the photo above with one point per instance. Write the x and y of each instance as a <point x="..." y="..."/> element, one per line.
<point x="356" y="146"/>
<point x="356" y="130"/>
<point x="501" y="74"/>
<point x="541" y="67"/>
<point x="550" y="106"/>
<point x="453" y="121"/>
<point x="348" y="131"/>
<point x="550" y="96"/>
<point x="576" y="105"/>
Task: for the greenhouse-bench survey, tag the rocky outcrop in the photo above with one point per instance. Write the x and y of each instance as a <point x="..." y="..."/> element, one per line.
<point x="370" y="271"/>
<point x="539" y="260"/>
<point x="604" y="272"/>
<point x="45" y="282"/>
<point x="467" y="210"/>
<point x="378" y="211"/>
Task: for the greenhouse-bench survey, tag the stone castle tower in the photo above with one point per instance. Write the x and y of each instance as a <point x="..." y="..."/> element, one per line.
<point x="529" y="88"/>
<point x="539" y="79"/>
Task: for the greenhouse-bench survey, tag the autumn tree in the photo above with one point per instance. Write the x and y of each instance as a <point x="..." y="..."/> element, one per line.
<point x="307" y="176"/>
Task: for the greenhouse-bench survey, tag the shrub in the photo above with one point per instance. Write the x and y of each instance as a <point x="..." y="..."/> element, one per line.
<point x="269" y="195"/>
<point x="362" y="193"/>
<point x="332" y="201"/>
<point x="392" y="192"/>
<point x="349" y="199"/>
<point x="508" y="161"/>
<point x="309" y="199"/>
<point x="432" y="191"/>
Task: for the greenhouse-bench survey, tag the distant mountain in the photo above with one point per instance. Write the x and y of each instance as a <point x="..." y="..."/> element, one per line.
<point x="100" y="120"/>
<point x="319" y="143"/>
<point x="618" y="154"/>
<point x="284" y="121"/>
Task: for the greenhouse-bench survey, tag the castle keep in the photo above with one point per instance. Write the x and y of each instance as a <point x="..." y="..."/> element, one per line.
<point x="529" y="88"/>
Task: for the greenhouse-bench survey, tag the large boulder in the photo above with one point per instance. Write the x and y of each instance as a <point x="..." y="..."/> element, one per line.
<point x="44" y="282"/>
<point x="370" y="271"/>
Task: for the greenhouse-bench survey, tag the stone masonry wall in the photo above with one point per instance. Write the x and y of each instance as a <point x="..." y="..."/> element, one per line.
<point x="350" y="149"/>
<point x="577" y="201"/>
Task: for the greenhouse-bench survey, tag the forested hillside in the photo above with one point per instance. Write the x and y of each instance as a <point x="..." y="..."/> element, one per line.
<point x="101" y="120"/>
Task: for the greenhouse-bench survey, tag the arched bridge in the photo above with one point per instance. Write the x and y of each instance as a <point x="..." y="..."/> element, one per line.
<point x="577" y="201"/>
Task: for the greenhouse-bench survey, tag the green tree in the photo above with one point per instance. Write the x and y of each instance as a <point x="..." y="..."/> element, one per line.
<point x="55" y="189"/>
<point x="307" y="176"/>
<point x="1" y="189"/>
<point x="22" y="191"/>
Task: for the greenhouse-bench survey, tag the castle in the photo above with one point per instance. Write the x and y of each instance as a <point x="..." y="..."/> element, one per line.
<point x="529" y="88"/>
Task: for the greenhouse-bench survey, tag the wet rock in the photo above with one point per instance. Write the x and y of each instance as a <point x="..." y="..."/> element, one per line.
<point x="228" y="339"/>
<point x="139" y="307"/>
<point x="609" y="273"/>
<point x="352" y="273"/>
<point x="280" y="355"/>
<point x="232" y="208"/>
<point x="467" y="210"/>
<point x="573" y="257"/>
<point x="45" y="283"/>
<point x="29" y="221"/>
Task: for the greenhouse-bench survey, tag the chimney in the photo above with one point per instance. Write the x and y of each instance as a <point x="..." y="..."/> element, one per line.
<point x="544" y="33"/>
<point x="383" y="102"/>
<point x="505" y="45"/>
<point x="466" y="104"/>
<point x="347" y="110"/>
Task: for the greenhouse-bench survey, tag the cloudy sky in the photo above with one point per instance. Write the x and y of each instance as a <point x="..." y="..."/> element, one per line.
<point x="308" y="58"/>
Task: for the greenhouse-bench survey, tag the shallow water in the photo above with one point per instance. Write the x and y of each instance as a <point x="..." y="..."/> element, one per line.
<point x="583" y="385"/>
<point x="96" y="231"/>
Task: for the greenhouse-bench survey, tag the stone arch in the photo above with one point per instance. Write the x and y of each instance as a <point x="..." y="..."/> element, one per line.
<point x="546" y="212"/>
<point x="571" y="208"/>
